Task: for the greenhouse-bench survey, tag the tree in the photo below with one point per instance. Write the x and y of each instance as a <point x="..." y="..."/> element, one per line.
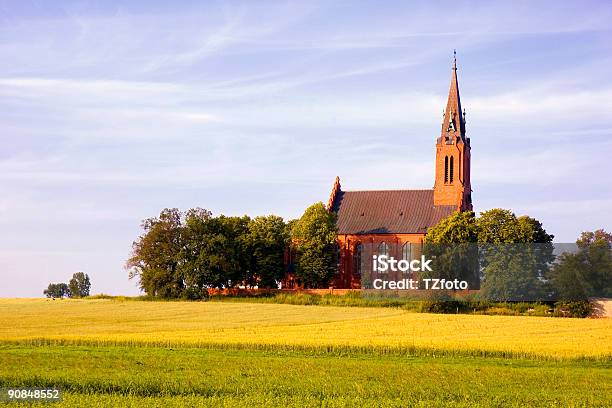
<point x="568" y="279"/>
<point x="511" y="258"/>
<point x="184" y="255"/>
<point x="57" y="290"/>
<point x="236" y="263"/>
<point x="79" y="285"/>
<point x="314" y="236"/>
<point x="588" y="272"/>
<point x="214" y="254"/>
<point x="156" y="255"/>
<point x="499" y="226"/>
<point x="514" y="256"/>
<point x="451" y="244"/>
<point x="460" y="227"/>
<point x="266" y="240"/>
<point x="197" y="267"/>
<point x="596" y="250"/>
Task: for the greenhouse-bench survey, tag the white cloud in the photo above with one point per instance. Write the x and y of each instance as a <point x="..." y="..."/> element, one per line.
<point x="538" y="104"/>
<point x="558" y="164"/>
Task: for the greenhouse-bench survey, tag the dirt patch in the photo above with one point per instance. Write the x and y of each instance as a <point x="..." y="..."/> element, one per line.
<point x="603" y="307"/>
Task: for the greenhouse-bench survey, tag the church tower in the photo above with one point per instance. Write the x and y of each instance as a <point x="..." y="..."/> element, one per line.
<point x="452" y="185"/>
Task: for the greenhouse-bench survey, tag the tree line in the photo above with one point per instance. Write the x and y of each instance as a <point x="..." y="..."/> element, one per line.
<point x="78" y="286"/>
<point x="183" y="254"/>
<point x="515" y="257"/>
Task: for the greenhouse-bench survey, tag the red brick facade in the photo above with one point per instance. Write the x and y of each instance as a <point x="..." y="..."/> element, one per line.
<point x="349" y="272"/>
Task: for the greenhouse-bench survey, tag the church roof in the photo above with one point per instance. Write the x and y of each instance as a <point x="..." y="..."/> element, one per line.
<point x="387" y="211"/>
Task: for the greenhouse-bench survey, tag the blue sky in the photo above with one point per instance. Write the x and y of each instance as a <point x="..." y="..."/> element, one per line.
<point x="111" y="111"/>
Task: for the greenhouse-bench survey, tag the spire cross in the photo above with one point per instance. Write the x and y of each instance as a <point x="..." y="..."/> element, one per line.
<point x="455" y="59"/>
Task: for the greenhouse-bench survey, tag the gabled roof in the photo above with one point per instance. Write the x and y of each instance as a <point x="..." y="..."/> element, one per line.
<point x="387" y="211"/>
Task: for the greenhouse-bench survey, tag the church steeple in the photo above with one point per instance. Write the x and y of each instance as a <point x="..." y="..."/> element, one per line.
<point x="453" y="157"/>
<point x="453" y="124"/>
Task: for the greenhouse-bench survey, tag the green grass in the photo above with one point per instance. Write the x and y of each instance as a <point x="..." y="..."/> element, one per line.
<point x="126" y="376"/>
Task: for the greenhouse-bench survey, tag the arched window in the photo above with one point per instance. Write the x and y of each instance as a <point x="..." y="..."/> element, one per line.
<point x="407" y="251"/>
<point x="358" y="259"/>
<point x="451" y="168"/>
<point x="446" y="169"/>
<point x="383" y="249"/>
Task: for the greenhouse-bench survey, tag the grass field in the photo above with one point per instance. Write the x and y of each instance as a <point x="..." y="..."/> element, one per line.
<point x="152" y="376"/>
<point x="122" y="353"/>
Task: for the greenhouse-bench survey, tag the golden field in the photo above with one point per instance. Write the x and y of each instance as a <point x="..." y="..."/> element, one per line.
<point x="33" y="321"/>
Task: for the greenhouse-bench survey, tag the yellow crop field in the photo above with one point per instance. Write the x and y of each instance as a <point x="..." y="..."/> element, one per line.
<point x="29" y="321"/>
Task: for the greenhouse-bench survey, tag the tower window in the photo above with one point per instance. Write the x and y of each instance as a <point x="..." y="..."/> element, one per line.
<point x="446" y="169"/>
<point x="451" y="169"/>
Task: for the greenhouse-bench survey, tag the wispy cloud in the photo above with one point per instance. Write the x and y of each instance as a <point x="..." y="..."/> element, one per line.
<point x="110" y="114"/>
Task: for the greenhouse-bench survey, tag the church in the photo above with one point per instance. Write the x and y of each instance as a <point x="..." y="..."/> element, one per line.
<point x="394" y="222"/>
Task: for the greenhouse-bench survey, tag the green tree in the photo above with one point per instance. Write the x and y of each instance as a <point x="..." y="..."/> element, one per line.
<point x="588" y="272"/>
<point x="79" y="285"/>
<point x="214" y="254"/>
<point x="511" y="258"/>
<point x="197" y="268"/>
<point x="451" y="244"/>
<point x="498" y="226"/>
<point x="156" y="255"/>
<point x="460" y="227"/>
<point x="266" y="241"/>
<point x="57" y="290"/>
<point x="314" y="237"/>
<point x="235" y="263"/>
<point x="515" y="253"/>
<point x="568" y="278"/>
<point x="596" y="249"/>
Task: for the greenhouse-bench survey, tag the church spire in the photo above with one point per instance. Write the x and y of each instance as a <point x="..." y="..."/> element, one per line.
<point x="453" y="124"/>
<point x="453" y="157"/>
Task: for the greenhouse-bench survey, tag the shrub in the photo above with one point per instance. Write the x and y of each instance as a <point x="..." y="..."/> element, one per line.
<point x="442" y="303"/>
<point x="194" y="293"/>
<point x="577" y="308"/>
